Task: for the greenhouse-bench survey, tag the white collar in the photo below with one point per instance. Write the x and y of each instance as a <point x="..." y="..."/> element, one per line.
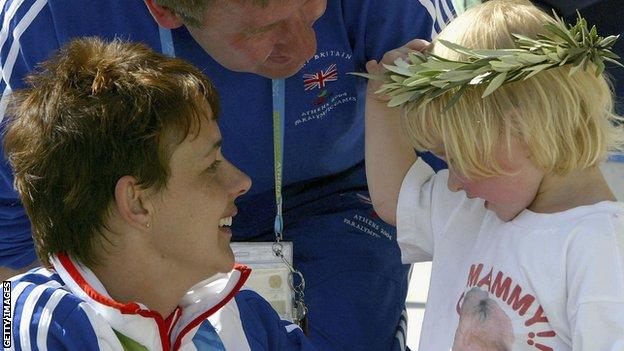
<point x="138" y="322"/>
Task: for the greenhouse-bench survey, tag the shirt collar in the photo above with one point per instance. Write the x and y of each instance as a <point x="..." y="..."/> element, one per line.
<point x="138" y="322"/>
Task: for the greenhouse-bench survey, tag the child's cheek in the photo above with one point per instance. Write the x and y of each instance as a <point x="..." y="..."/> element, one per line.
<point x="485" y="190"/>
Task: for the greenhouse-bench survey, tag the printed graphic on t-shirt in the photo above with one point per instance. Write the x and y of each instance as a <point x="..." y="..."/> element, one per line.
<point x="486" y="310"/>
<point x="319" y="81"/>
<point x="483" y="325"/>
<point x="323" y="82"/>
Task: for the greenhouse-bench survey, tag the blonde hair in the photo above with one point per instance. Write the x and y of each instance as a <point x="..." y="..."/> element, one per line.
<point x="566" y="121"/>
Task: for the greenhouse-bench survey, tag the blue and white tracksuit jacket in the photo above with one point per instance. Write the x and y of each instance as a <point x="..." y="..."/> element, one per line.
<point x="67" y="308"/>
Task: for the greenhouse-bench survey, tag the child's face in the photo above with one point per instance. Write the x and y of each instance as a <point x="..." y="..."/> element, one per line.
<point x="505" y="195"/>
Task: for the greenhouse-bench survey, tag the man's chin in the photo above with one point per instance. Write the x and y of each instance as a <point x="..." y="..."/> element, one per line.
<point x="278" y="71"/>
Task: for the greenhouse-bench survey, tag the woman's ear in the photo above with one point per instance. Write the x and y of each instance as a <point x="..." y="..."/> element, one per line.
<point x="131" y="203"/>
<point x="163" y="15"/>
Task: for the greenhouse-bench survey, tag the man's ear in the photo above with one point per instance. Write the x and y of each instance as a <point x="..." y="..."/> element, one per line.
<point x="163" y="15"/>
<point x="131" y="203"/>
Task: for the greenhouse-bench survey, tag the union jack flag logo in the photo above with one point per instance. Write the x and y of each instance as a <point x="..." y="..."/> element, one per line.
<point x="319" y="79"/>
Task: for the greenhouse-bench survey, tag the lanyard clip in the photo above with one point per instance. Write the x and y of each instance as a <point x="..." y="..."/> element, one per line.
<point x="278" y="226"/>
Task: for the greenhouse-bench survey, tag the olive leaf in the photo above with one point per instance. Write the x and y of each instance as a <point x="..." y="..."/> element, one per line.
<point x="498" y="80"/>
<point x="423" y="76"/>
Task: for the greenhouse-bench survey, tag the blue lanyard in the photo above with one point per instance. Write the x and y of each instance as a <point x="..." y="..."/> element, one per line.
<point x="166" y="42"/>
<point x="279" y="113"/>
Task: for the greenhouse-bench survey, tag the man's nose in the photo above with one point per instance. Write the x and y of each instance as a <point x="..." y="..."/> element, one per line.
<point x="299" y="37"/>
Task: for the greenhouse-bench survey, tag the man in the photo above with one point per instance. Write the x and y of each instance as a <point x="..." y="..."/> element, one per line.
<point x="117" y="160"/>
<point x="355" y="283"/>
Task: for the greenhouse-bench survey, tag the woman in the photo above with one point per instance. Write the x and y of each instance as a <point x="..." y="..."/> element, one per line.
<point x="118" y="162"/>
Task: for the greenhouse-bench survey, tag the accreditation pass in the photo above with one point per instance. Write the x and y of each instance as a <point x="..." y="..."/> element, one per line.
<point x="269" y="276"/>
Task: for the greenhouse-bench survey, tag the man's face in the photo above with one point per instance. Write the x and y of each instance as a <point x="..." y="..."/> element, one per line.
<point x="193" y="212"/>
<point x="273" y="41"/>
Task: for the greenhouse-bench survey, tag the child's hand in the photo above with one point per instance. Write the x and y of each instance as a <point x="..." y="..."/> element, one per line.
<point x="376" y="68"/>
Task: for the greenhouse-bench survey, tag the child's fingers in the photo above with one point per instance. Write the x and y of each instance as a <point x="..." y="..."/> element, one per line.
<point x="414" y="45"/>
<point x="392" y="55"/>
<point x="376" y="68"/>
<point x="372" y="67"/>
<point x="418" y="45"/>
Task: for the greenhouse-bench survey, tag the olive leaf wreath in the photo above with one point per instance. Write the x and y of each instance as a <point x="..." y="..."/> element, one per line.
<point x="425" y="76"/>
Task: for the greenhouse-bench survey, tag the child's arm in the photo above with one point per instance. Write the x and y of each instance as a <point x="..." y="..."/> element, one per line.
<point x="388" y="155"/>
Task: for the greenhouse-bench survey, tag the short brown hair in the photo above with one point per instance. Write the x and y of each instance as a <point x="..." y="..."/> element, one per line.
<point x="93" y="113"/>
<point x="192" y="11"/>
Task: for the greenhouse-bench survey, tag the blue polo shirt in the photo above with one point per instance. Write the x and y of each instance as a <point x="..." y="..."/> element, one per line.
<point x="356" y="284"/>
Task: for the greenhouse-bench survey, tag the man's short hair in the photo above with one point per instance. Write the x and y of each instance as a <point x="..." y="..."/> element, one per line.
<point x="92" y="114"/>
<point x="192" y="11"/>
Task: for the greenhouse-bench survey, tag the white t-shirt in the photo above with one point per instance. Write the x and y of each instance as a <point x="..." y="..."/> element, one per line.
<point x="539" y="282"/>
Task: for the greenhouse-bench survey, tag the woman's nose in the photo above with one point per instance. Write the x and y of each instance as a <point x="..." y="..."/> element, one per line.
<point x="241" y="183"/>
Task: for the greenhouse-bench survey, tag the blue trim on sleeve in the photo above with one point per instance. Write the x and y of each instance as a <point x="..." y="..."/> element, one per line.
<point x="264" y="328"/>
<point x="36" y="317"/>
<point x="17" y="315"/>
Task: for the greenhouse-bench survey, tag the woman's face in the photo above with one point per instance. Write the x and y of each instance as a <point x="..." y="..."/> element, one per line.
<point x="192" y="214"/>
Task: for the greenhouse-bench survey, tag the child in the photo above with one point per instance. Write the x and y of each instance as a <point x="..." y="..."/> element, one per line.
<point x="117" y="159"/>
<point x="529" y="255"/>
